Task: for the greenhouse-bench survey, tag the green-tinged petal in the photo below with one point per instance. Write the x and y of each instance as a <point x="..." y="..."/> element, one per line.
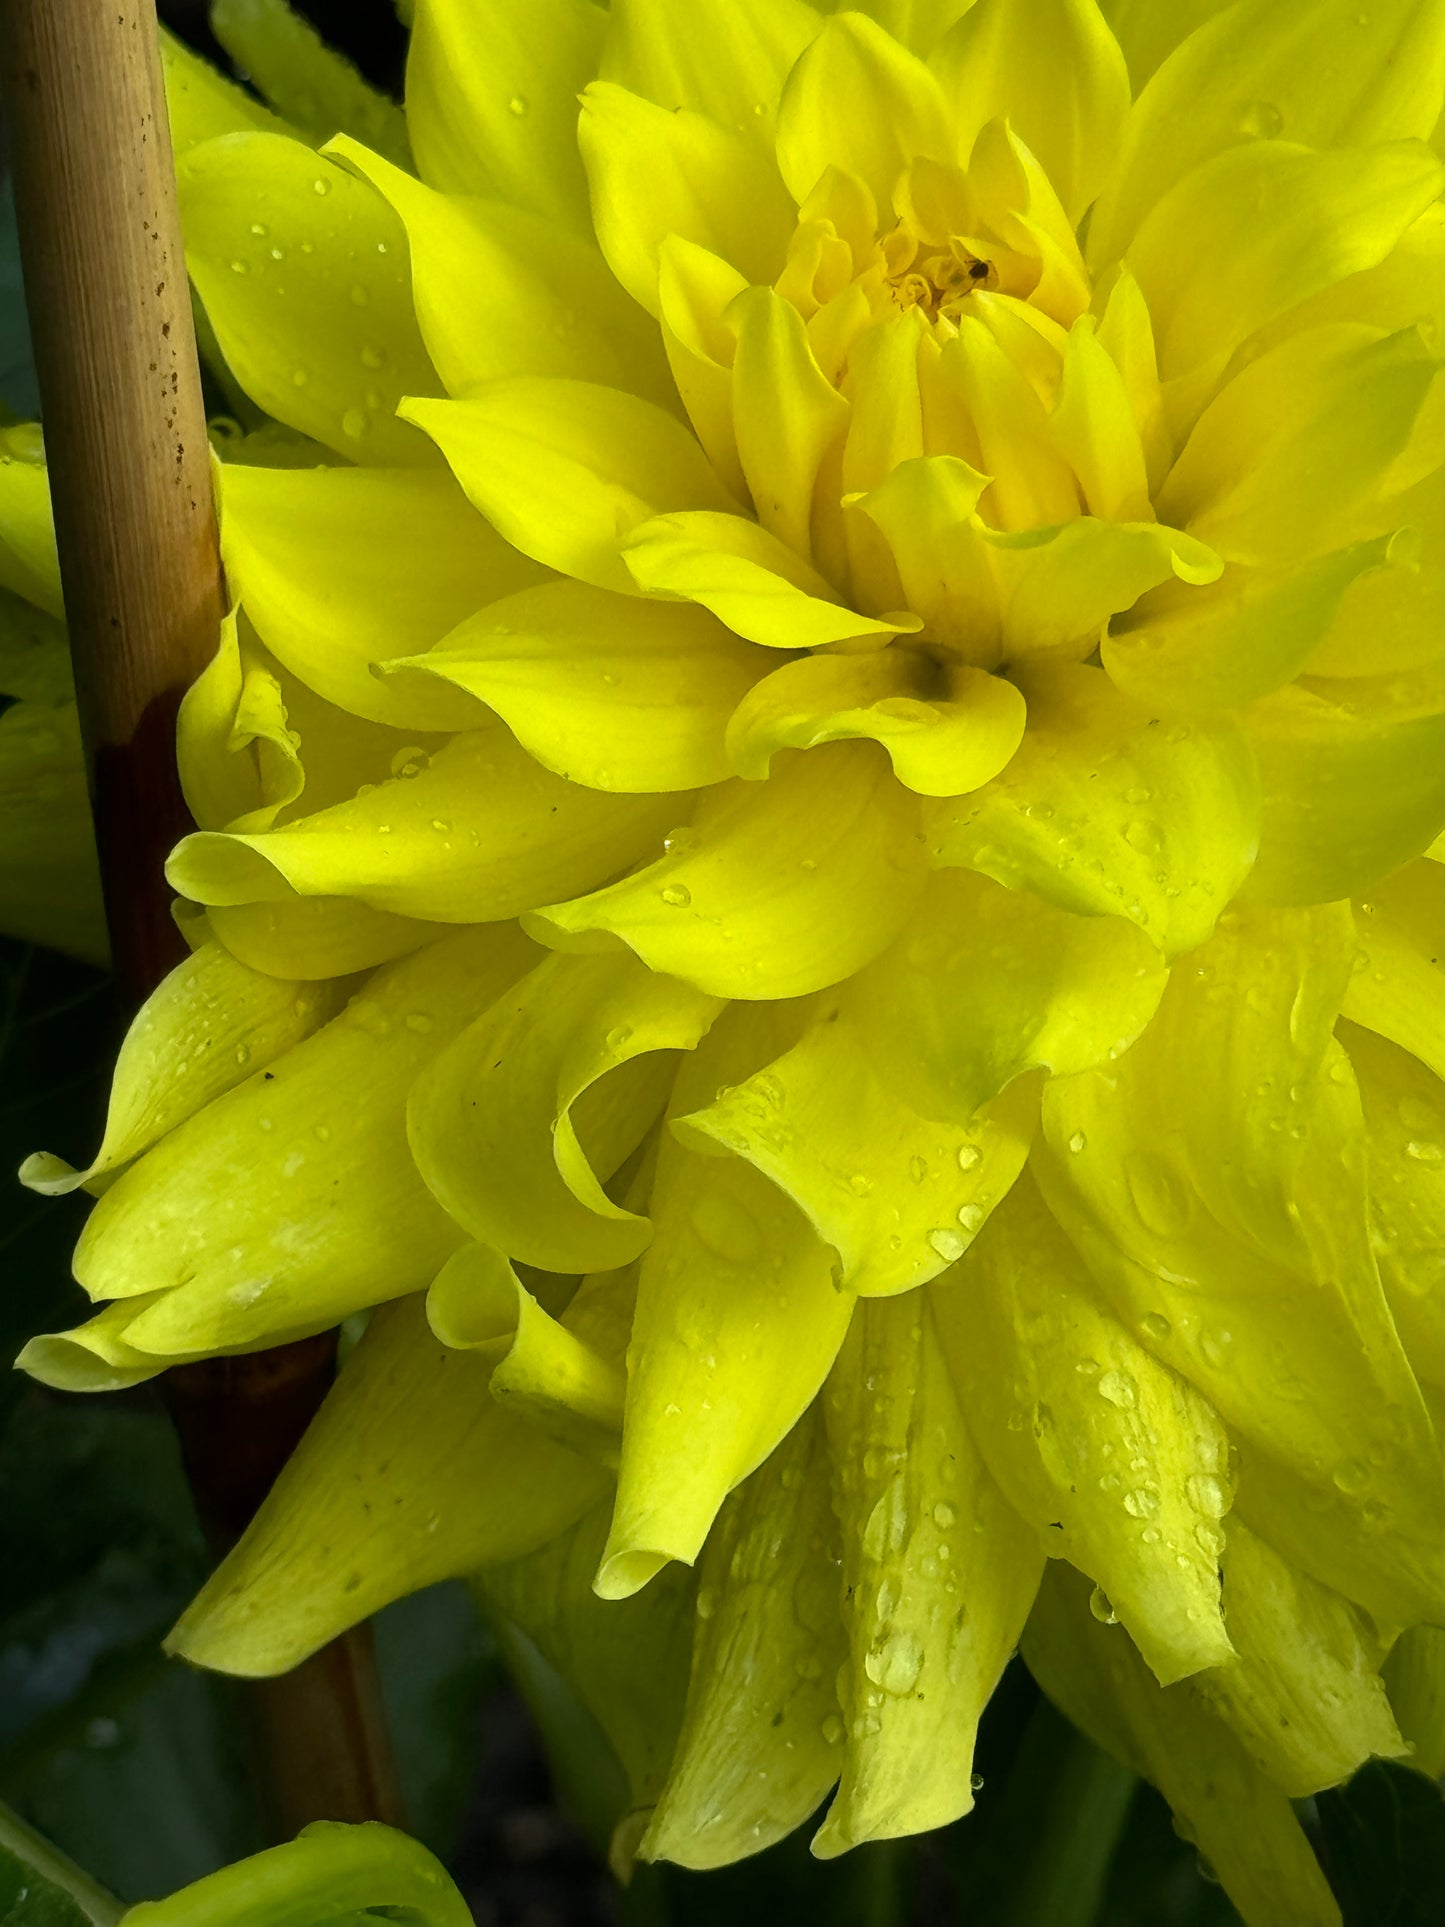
<point x="318" y="89"/>
<point x="94" y="1357"/>
<point x="201" y="103"/>
<point x="749" y="579"/>
<point x="1262" y="478"/>
<point x="694" y="290"/>
<point x="312" y="937"/>
<point x="627" y="1660"/>
<point x="939" y="1574"/>
<point x="340" y="568"/>
<point x="859" y="101"/>
<point x="1392" y="621"/>
<point x="775" y="889"/>
<point x="1285" y="223"/>
<point x="925" y="508"/>
<point x="302" y="269"/>
<point x="236" y="754"/>
<point x="1352" y="775"/>
<point x="899" y="1198"/>
<point x="788" y="415"/>
<point x="211" y="1023"/>
<point x="1126" y="333"/>
<point x="1231" y="1235"/>
<point x="479" y="833"/>
<point x="543" y="1368"/>
<point x="1415" y="1675"/>
<point x="990" y="983"/>
<point x="1118" y="1466"/>
<point x="947" y="728"/>
<point x="1239" y="1820"/>
<point x="1221" y="646"/>
<point x="1397" y="987"/>
<point x="49" y="877"/>
<point x="566" y="470"/>
<point x="501" y="290"/>
<point x="395" y="1485"/>
<point x="655" y="172"/>
<point x="1324" y="73"/>
<point x="607" y="690"/>
<point x="917" y="23"/>
<point x="34" y="654"/>
<point x="292" y="1200"/>
<point x="492" y="1125"/>
<point x="491" y="99"/>
<point x="760" y="1737"/>
<point x="29" y="566"/>
<point x="727" y="59"/>
<point x="1097" y="425"/>
<point x="1055" y="71"/>
<point x="737" y="1325"/>
<point x="1305" y="1695"/>
<point x="1405" y="1119"/>
<point x="1149" y="33"/>
<point x="1032" y="486"/>
<point x="1111" y="810"/>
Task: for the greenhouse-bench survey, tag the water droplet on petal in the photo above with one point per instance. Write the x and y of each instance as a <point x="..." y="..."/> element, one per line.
<point x="1100" y="1607"/>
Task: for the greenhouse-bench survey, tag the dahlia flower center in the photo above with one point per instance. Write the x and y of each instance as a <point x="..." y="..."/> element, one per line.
<point x="941" y="280"/>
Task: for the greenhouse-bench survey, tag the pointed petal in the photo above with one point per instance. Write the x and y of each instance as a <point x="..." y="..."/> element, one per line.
<point x="29" y="566"/>
<point x="776" y="889"/>
<point x="1107" y="811"/>
<point x="302" y="269"/>
<point x="491" y="99"/>
<point x="479" y="833"/>
<point x="201" y="103"/>
<point x="237" y="757"/>
<point x="501" y="291"/>
<point x="313" y="937"/>
<point x="1118" y="1466"/>
<point x="988" y="984"/>
<point x="605" y="690"/>
<point x="788" y="415"/>
<point x="565" y="470"/>
<point x="291" y="66"/>
<point x="491" y="1121"/>
<point x="766" y="1647"/>
<point x="939" y="1574"/>
<point x="1415" y="1674"/>
<point x="393" y="1487"/>
<point x="338" y="568"/>
<point x="727" y="59"/>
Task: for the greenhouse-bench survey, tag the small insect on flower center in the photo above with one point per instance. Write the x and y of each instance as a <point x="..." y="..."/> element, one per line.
<point x="940" y="281"/>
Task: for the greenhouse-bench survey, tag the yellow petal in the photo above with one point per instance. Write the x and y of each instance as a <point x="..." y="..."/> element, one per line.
<point x="1260" y="478"/>
<point x="477" y="833"/>
<point x="494" y="112"/>
<point x="392" y="1488"/>
<point x="1392" y="621"/>
<point x="1230" y="1233"/>
<point x="939" y="1574"/>
<point x="1397" y="987"/>
<point x="1119" y="1466"/>
<point x="339" y="568"/>
<point x="1220" y="646"/>
<point x="1109" y="810"/>
<point x="500" y="290"/>
<point x="289" y="63"/>
<point x="302" y="269"/>
<point x="737" y="1324"/>
<point x="565" y="470"/>
<point x="1149" y="33"/>
<point x="606" y="690"/>
<point x="788" y="415"/>
<point x="94" y="1357"/>
<point x="946" y="728"/>
<point x="1326" y="74"/>
<point x="749" y="579"/>
<point x="491" y="1121"/>
<point x="331" y="1215"/>
<point x="1305" y="1695"/>
<point x="209" y="1025"/>
<point x="897" y="1197"/>
<point x="29" y="566"/>
<point x="694" y="288"/>
<point x="1289" y="222"/>
<point x="775" y="889"/>
<point x="49" y="877"/>
<point x="237" y="757"/>
<point x="766" y="1646"/>
<point x="1415" y="1675"/>
<point x="1353" y="782"/>
<point x="1032" y="486"/>
<point x="724" y="58"/>
<point x="989" y="984"/>
<point x="311" y="937"/>
<point x="1232" y="1811"/>
<point x="1095" y="427"/>
<point x="859" y="101"/>
<point x="655" y="172"/>
<point x="201" y="103"/>
<point x="1056" y="71"/>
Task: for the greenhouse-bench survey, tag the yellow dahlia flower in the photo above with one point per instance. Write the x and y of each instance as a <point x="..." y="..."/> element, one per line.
<point x="835" y="727"/>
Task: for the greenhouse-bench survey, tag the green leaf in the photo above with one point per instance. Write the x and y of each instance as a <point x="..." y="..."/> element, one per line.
<point x="41" y="1888"/>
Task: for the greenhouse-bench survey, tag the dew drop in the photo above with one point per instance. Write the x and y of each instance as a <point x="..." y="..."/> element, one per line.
<point x="517" y="105"/>
<point x="240" y="267"/>
<point x="243" y="1053"/>
<point x="372" y="356"/>
<point x="949" y="1246"/>
<point x="300" y="377"/>
<point x="355" y="423"/>
<point x="1207" y="1495"/>
<point x="360" y="297"/>
<point x="1156" y="1326"/>
<point x="1141" y="1502"/>
<point x="917" y="1169"/>
<point x="618" y="1038"/>
<point x="320" y="186"/>
<point x="970" y="1216"/>
<point x="896" y="1664"/>
<point x="1077" y="1142"/>
<point x="1101" y="1608"/>
<point x="419" y="1021"/>
<point x="1262" y="120"/>
<point x="969" y="1157"/>
<point x="1119" y="1389"/>
<point x="676" y="894"/>
<point x="832" y="1730"/>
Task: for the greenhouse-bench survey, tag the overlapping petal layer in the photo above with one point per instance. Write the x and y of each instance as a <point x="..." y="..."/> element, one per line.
<point x="892" y="588"/>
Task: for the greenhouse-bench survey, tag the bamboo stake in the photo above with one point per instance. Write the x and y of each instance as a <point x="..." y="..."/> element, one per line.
<point x="135" y="523"/>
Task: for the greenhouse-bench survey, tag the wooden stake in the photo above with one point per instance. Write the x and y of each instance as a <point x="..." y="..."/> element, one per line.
<point x="135" y="521"/>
